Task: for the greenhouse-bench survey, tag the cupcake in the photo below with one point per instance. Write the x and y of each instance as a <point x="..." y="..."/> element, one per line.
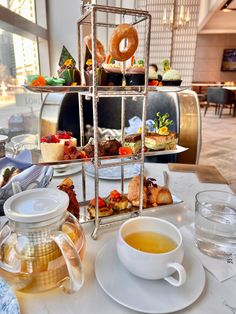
<point x="111" y="74"/>
<point x="52" y="148"/>
<point x="135" y="73"/>
<point x="67" y="70"/>
<point x="171" y="78"/>
<point x="152" y="78"/>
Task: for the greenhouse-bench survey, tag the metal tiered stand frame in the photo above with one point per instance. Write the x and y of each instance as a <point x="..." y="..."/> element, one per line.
<point x="95" y="92"/>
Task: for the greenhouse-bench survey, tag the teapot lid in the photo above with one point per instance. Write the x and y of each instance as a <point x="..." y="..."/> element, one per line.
<point x="36" y="205"/>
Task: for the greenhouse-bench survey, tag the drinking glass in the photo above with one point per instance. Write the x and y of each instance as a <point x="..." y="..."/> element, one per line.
<point x="215" y="223"/>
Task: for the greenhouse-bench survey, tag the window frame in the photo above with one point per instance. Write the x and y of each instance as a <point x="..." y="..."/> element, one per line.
<point x="15" y="23"/>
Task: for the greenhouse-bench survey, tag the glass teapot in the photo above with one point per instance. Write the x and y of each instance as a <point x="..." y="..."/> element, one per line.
<point x="42" y="244"/>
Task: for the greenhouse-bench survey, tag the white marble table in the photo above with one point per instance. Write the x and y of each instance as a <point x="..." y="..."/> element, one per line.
<point x="216" y="298"/>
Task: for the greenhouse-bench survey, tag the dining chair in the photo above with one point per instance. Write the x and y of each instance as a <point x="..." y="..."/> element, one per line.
<point x="220" y="97"/>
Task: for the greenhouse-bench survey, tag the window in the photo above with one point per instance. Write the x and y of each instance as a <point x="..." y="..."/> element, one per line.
<point x="21" y="46"/>
<point x="25" y="8"/>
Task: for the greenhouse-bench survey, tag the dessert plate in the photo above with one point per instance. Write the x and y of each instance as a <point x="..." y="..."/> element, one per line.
<point x="148" y="296"/>
<point x="8" y="301"/>
<point x="66" y="170"/>
<point x="114" y="173"/>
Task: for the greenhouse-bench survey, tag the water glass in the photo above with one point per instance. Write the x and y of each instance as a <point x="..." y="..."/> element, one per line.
<point x="215" y="223"/>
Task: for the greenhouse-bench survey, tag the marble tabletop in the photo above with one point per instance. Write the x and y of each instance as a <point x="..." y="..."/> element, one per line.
<point x="216" y="298"/>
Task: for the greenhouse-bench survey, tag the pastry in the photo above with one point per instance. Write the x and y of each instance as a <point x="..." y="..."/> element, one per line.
<point x="110" y="147"/>
<point x="133" y="192"/>
<point x="67" y="186"/>
<point x="116" y="201"/>
<point x="162" y="138"/>
<point x="102" y="206"/>
<point x="66" y="137"/>
<point x="155" y="141"/>
<point x="105" y="148"/>
<point x="135" y="73"/>
<point x="123" y="32"/>
<point x="171" y="78"/>
<point x="99" y="53"/>
<point x="110" y="73"/>
<point x="157" y="195"/>
<point x="52" y="148"/>
<point x="153" y="195"/>
<point x="133" y="141"/>
<point x="68" y="70"/>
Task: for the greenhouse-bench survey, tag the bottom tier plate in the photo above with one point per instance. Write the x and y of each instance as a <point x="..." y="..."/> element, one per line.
<point x="122" y="215"/>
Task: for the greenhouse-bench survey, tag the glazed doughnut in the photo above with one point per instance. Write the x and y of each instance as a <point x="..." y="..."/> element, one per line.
<point x="123" y="31"/>
<point x="100" y="53"/>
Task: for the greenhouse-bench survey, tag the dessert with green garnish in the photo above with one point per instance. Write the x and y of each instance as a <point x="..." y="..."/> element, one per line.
<point x="134" y="75"/>
<point x="162" y="138"/>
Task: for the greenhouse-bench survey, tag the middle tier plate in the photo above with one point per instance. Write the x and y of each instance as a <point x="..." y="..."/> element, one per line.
<point x="37" y="158"/>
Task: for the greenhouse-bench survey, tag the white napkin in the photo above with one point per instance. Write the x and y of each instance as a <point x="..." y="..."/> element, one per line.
<point x="222" y="269"/>
<point x="30" y="177"/>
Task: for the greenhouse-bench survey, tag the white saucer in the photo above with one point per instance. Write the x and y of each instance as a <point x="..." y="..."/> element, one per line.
<point x="67" y="170"/>
<point x="147" y="296"/>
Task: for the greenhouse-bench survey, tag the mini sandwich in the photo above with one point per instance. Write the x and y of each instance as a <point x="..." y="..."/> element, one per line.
<point x="116" y="201"/>
<point x="104" y="210"/>
<point x="155" y="141"/>
<point x="134" y="142"/>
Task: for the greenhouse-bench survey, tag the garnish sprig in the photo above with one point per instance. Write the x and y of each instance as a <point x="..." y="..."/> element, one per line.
<point x="162" y="121"/>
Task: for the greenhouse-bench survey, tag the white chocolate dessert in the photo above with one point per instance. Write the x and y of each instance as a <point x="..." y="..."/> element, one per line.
<point x="52" y="151"/>
<point x="72" y="141"/>
<point x="65" y="136"/>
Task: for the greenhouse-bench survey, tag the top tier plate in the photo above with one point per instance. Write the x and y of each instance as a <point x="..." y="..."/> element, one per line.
<point x="105" y="90"/>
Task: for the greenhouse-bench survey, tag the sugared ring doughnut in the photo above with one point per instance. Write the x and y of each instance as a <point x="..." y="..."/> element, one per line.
<point x="100" y="52"/>
<point x="123" y="31"/>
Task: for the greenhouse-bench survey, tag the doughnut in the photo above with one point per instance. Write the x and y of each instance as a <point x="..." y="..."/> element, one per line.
<point x="100" y="53"/>
<point x="123" y="31"/>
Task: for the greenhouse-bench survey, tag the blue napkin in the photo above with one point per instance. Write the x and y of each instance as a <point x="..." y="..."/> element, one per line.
<point x="135" y="123"/>
<point x="22" y="161"/>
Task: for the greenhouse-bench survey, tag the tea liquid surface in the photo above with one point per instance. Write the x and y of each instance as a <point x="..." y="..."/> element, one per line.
<point x="150" y="242"/>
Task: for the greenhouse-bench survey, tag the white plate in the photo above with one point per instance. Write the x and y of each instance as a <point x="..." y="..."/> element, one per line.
<point x="66" y="170"/>
<point x="147" y="296"/>
<point x="113" y="173"/>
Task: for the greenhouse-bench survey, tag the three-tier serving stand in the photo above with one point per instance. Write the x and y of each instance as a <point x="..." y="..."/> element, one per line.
<point x="90" y="19"/>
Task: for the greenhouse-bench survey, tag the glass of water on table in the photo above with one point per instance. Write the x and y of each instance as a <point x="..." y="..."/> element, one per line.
<point x="215" y="223"/>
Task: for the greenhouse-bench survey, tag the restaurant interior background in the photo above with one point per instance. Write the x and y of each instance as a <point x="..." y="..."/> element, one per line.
<point x="32" y="33"/>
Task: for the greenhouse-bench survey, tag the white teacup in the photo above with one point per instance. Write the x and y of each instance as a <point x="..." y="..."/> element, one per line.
<point x="152" y="265"/>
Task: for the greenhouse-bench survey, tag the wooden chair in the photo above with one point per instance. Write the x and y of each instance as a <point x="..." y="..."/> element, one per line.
<point x="220" y="97"/>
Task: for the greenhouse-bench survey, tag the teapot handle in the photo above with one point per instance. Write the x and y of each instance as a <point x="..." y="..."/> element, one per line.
<point x="73" y="262"/>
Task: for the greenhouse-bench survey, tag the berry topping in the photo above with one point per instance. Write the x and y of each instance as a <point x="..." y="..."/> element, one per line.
<point x="50" y="139"/>
<point x="65" y="135"/>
